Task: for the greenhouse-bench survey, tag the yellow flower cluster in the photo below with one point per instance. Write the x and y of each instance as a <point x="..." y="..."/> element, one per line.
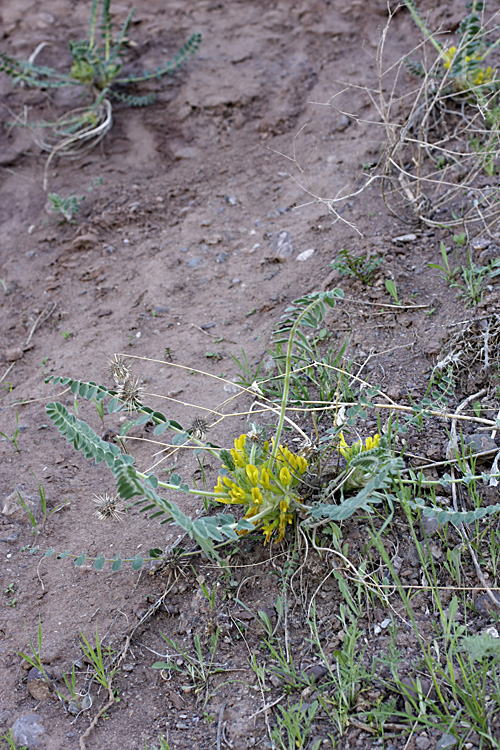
<point x="481" y="75"/>
<point x="348" y="451"/>
<point x="357" y="477"/>
<point x="267" y="493"/>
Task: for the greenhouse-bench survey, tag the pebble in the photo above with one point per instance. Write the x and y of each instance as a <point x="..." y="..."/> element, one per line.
<point x="405" y="238"/>
<point x="316" y="672"/>
<point x="430" y="525"/>
<point x="161" y="309"/>
<point x="306" y="254"/>
<point x="84" y="241"/>
<point x="484" y="606"/>
<point x="423" y="742"/>
<point x="27" y="730"/>
<point x="230" y="388"/>
<point x="37" y="685"/>
<point x="446" y="741"/>
<point x="221" y="258"/>
<point x="480" y="442"/>
<point x="426" y="688"/>
<point x="282" y="244"/>
<point x="13" y="354"/>
<point x="194" y="262"/>
<point x="480" y="243"/>
<point x="342" y="123"/>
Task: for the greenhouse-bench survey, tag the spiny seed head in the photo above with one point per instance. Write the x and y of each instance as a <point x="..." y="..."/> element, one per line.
<point x="108" y="507"/>
<point x="256" y="434"/>
<point x="199" y="428"/>
<point x="131" y="392"/>
<point x="119" y="370"/>
<point x="308" y="449"/>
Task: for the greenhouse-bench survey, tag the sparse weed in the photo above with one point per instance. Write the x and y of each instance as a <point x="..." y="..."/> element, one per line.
<point x="294" y="725"/>
<point x="67" y="207"/>
<point x="447" y="272"/>
<point x="15" y="435"/>
<point x="361" y="267"/>
<point x="97" y="68"/>
<point x="10" y="744"/>
<point x="46" y="514"/>
<point x="197" y="668"/>
<point x="391" y="287"/>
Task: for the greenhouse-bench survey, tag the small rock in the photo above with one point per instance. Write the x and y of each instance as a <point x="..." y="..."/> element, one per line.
<point x="27" y="731"/>
<point x="44" y="20"/>
<point x="485" y="607"/>
<point x="426" y="689"/>
<point x="282" y="244"/>
<point x="194" y="262"/>
<point x="221" y="258"/>
<point x="13" y="509"/>
<point x="316" y="672"/>
<point x="342" y="123"/>
<point x="479" y="442"/>
<point x="480" y="243"/>
<point x="489" y="253"/>
<point x="13" y="354"/>
<point x="430" y="525"/>
<point x="160" y="310"/>
<point x="232" y="388"/>
<point x="405" y="238"/>
<point x="244" y="615"/>
<point x="269" y="611"/>
<point x="38" y="685"/>
<point x="306" y="254"/>
<point x="422" y="742"/>
<point x="446" y="741"/>
<point x="431" y="347"/>
<point x="84" y="241"/>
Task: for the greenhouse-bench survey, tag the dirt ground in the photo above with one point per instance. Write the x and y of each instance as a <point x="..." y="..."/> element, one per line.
<point x="188" y="247"/>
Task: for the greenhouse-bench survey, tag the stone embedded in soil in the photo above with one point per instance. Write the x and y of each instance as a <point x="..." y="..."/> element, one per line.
<point x="479" y="442"/>
<point x="281" y="243"/>
<point x="12" y="354"/>
<point x="423" y="742"/>
<point x="430" y="525"/>
<point x="27" y="731"/>
<point x="306" y="254"/>
<point x="485" y="607"/>
<point x="316" y="672"/>
<point x="446" y="741"/>
<point x="37" y="684"/>
<point x="84" y="241"/>
<point x="424" y="688"/>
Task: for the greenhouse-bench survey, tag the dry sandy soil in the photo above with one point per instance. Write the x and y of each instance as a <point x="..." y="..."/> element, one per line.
<point x="179" y="247"/>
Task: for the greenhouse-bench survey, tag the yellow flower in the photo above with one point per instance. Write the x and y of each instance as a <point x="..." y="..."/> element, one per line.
<point x="237" y="494"/>
<point x="371" y="442"/>
<point x="238" y="458"/>
<point x="343" y="447"/>
<point x="256" y="495"/>
<point x="239" y="443"/>
<point x="448" y="56"/>
<point x="285" y="476"/>
<point x="264" y="478"/>
<point x="301" y="464"/>
<point x="252" y="473"/>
